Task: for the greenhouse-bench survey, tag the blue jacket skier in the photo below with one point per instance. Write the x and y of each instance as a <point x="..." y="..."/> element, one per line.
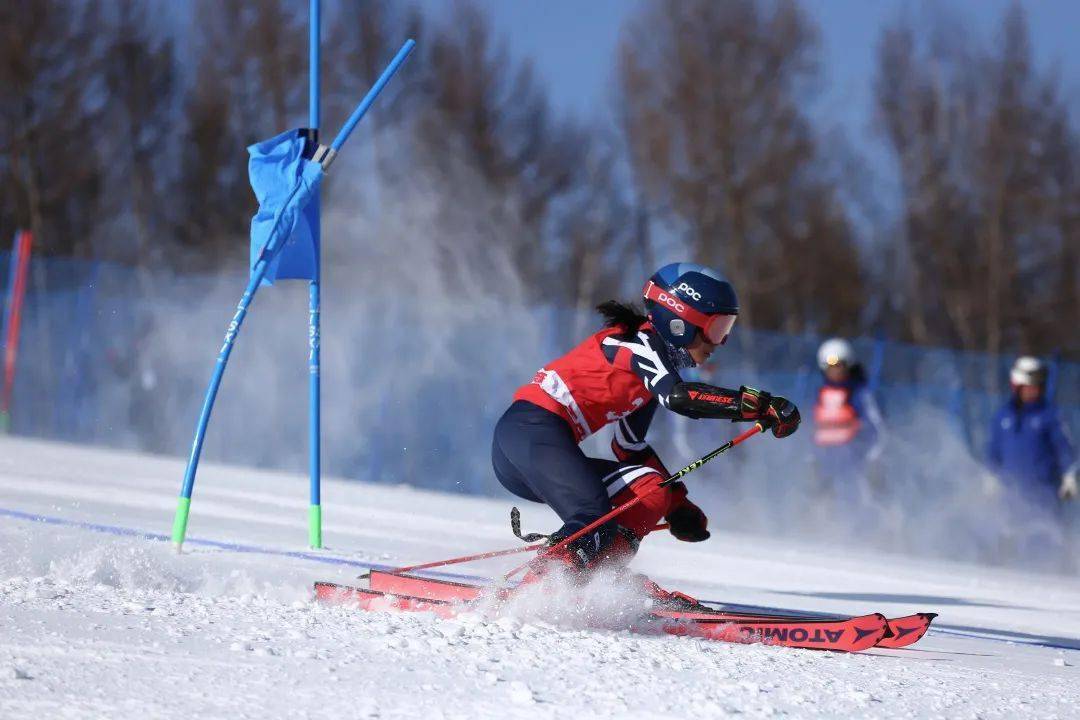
<point x="1030" y="450"/>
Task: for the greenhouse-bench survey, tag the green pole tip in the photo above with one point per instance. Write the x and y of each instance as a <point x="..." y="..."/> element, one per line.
<point x="315" y="527"/>
<point x="180" y="521"/>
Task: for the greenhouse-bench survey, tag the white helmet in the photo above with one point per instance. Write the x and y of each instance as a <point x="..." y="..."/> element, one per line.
<point x="1028" y="370"/>
<point x="835" y="351"/>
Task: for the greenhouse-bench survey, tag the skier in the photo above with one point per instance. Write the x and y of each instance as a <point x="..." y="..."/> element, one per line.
<point x="848" y="429"/>
<point x="1029" y="449"/>
<point x="620" y="375"/>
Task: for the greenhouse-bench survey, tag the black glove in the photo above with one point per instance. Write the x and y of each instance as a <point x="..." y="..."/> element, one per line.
<point x="774" y="412"/>
<point x="688" y="523"/>
<point x="782" y="416"/>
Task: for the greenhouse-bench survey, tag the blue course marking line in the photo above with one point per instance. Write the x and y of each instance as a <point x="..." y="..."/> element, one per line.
<point x="121" y="531"/>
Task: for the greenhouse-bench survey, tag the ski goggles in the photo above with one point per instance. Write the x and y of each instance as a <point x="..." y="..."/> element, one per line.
<point x="715" y="327"/>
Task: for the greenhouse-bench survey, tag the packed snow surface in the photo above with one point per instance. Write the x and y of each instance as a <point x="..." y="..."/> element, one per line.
<point x="99" y="617"/>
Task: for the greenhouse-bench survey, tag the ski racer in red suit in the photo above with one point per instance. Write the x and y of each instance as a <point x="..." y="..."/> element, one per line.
<point x="620" y="375"/>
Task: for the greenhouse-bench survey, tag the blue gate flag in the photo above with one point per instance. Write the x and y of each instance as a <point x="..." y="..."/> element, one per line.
<point x="286" y="227"/>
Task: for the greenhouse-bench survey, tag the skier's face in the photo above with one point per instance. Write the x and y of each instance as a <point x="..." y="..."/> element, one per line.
<point x="1029" y="393"/>
<point x="837" y="373"/>
<point x="700" y="349"/>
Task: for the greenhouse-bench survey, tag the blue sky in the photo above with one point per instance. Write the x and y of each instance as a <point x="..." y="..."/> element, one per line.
<point x="572" y="45"/>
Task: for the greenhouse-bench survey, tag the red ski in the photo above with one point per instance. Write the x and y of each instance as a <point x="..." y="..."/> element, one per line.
<point x="844" y="634"/>
<point x="901" y="632"/>
<point x="335" y="594"/>
<point x="907" y="630"/>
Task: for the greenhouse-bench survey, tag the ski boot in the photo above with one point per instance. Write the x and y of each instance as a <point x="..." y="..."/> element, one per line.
<point x="610" y="546"/>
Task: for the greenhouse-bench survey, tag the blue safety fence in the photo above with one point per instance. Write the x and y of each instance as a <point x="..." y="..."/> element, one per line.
<point x="115" y="356"/>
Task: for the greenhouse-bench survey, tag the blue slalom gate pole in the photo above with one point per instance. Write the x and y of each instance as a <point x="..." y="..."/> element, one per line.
<point x="258" y="272"/>
<point x="377" y="88"/>
<point x="314" y="85"/>
<point x="314" y="402"/>
<point x="183" y="507"/>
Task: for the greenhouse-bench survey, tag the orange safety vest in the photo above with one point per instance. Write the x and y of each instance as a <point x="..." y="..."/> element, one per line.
<point x="835" y="420"/>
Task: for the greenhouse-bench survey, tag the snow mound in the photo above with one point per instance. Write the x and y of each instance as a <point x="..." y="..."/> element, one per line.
<point x="66" y="561"/>
<point x="125" y="565"/>
<point x="97" y="620"/>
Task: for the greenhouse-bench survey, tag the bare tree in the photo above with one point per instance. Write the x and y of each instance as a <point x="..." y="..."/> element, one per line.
<point x="594" y="252"/>
<point x="986" y="156"/>
<point x="357" y="45"/>
<point x="475" y="106"/>
<point x="140" y="76"/>
<point x="246" y="88"/>
<point x="50" y="177"/>
<point x="712" y="107"/>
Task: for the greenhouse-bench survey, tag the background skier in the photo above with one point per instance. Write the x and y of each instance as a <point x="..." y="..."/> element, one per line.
<point x="848" y="429"/>
<point x="1030" y="452"/>
<point x="620" y="375"/>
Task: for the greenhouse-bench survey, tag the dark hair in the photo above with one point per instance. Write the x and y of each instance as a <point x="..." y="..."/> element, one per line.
<point x="624" y="315"/>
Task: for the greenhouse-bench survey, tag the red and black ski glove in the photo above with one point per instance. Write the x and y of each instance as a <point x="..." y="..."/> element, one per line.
<point x="782" y="416"/>
<point x="686" y="521"/>
<point x="774" y="412"/>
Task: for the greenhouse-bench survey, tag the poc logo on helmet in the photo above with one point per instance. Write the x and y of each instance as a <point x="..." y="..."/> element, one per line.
<point x="670" y="302"/>
<point x="689" y="291"/>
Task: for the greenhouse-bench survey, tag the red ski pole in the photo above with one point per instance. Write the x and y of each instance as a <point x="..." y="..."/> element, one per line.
<point x="758" y="427"/>
<point x="468" y="558"/>
<point x="486" y="555"/>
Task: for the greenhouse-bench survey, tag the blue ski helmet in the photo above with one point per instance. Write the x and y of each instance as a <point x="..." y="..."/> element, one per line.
<point x="682" y="298"/>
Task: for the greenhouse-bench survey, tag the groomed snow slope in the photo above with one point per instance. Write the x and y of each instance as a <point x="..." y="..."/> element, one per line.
<point x="98" y="620"/>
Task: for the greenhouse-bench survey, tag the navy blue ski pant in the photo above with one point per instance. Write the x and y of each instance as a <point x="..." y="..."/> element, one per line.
<point x="536" y="457"/>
